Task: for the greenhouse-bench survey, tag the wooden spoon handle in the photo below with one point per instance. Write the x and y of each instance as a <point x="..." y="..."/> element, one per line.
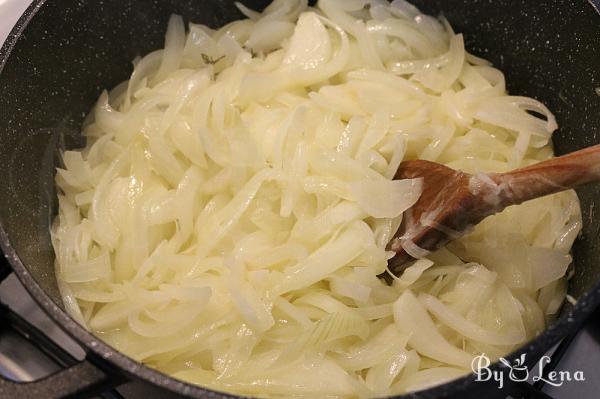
<point x="548" y="177"/>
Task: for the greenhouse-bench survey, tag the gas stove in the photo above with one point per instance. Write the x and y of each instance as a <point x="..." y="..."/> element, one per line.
<point x="27" y="354"/>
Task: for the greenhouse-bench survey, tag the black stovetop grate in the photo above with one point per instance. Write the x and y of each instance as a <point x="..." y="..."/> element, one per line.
<point x="9" y="320"/>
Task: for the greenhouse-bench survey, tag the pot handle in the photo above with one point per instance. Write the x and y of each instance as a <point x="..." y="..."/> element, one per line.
<point x="78" y="379"/>
<point x="82" y="380"/>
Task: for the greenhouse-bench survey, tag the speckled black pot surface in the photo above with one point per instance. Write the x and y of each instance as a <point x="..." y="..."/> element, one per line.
<point x="63" y="53"/>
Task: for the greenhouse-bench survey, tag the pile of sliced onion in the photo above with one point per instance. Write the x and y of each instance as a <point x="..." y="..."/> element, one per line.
<point x="228" y="219"/>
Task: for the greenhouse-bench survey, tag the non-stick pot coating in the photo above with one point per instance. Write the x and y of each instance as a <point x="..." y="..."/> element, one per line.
<point x="73" y="49"/>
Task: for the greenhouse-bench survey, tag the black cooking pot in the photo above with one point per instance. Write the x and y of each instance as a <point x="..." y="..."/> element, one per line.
<point x="63" y="53"/>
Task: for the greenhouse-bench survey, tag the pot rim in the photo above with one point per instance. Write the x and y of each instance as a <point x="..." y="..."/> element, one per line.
<point x="566" y="324"/>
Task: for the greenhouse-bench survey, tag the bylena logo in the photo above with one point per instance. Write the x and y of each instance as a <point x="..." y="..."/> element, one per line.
<point x="519" y="372"/>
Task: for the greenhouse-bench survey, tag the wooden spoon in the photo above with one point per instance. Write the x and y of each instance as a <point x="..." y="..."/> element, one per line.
<point x="453" y="202"/>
